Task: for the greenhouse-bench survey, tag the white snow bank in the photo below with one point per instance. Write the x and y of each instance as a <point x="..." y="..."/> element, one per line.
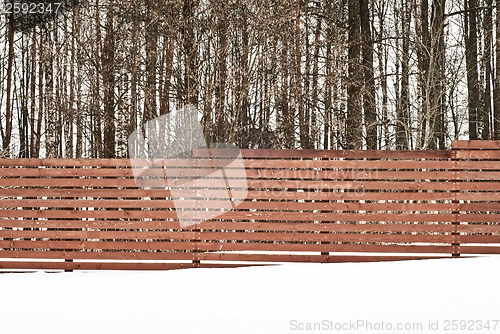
<point x="294" y="298"/>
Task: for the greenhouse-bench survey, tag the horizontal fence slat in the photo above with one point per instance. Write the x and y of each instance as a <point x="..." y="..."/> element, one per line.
<point x="204" y="203"/>
<point x="91" y="246"/>
<point x="223" y="236"/>
<point x="221" y="246"/>
<point x="92" y="265"/>
<point x="55" y="162"/>
<point x="289" y="174"/>
<point x="408" y="195"/>
<point x="263" y="215"/>
<point x="105" y="235"/>
<point x="258" y="164"/>
<point x="217" y="256"/>
<point x="476" y="186"/>
<point x="325" y="248"/>
<point x="479" y="228"/>
<point x="306" y="258"/>
<point x="483" y="249"/>
<point x="123" y="167"/>
<point x="232" y="225"/>
<point x="252" y="183"/>
<point x="492" y="207"/>
<point x="475" y="144"/>
<point x="306" y="154"/>
<point x="97" y="255"/>
<point x="113" y="265"/>
<point x="478" y="154"/>
<point x="162" y="177"/>
<point x="486" y="239"/>
<point x="95" y="224"/>
<point x="478" y="218"/>
<point x="78" y="214"/>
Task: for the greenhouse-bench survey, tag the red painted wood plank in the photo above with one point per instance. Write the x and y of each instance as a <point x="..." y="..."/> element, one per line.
<point x="353" y="154"/>
<point x="475" y="144"/>
<point x="262" y="216"/>
<point x="190" y="205"/>
<point x="483" y="249"/>
<point x="203" y="164"/>
<point x="98" y="245"/>
<point x="237" y="225"/>
<point x="111" y="254"/>
<point x="305" y="258"/>
<point x="92" y="265"/>
<point x="479" y="228"/>
<point x="144" y="236"/>
<point x="202" y="246"/>
<point x="479" y="239"/>
<point x="290" y="195"/>
<point x="114" y="265"/>
<point x="477" y="154"/>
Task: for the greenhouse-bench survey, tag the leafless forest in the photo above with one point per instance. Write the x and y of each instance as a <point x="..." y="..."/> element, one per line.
<point x="332" y="74"/>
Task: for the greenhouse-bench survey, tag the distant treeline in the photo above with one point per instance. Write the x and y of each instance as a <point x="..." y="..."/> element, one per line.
<point x="333" y="74"/>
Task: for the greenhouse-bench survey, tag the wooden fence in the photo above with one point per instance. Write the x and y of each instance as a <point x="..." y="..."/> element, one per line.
<point x="296" y="206"/>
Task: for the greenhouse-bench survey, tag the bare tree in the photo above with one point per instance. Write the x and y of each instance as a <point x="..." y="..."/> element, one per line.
<point x="355" y="79"/>
<point x="7" y="134"/>
<point x="369" y="107"/>
<point x="403" y="111"/>
<point x="470" y="36"/>
<point x="108" y="76"/>
<point x="496" y="92"/>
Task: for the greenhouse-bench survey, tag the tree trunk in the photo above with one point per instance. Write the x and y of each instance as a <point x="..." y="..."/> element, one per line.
<point x="108" y="76"/>
<point x="190" y="53"/>
<point x="165" y="103"/>
<point x="382" y="65"/>
<point x="22" y="100"/>
<point x="286" y="119"/>
<point x="303" y="122"/>
<point x="403" y="112"/>
<point x="496" y="93"/>
<point x="41" y="64"/>
<point x="134" y="79"/>
<point x="96" y="112"/>
<point x="314" y="132"/>
<point x="221" y="123"/>
<point x="151" y="60"/>
<point x="240" y="134"/>
<point x="33" y="62"/>
<point x="10" y="61"/>
<point x="488" y="77"/>
<point x="423" y="54"/>
<point x="437" y="94"/>
<point x="51" y="140"/>
<point x="329" y="81"/>
<point x="369" y="107"/>
<point x="71" y="109"/>
<point x="470" y="31"/>
<point x="355" y="79"/>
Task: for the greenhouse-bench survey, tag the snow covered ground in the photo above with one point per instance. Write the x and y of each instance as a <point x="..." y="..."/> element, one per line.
<point x="427" y="296"/>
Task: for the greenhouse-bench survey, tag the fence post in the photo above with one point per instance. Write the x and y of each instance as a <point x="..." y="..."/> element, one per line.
<point x="196" y="250"/>
<point x="325" y="254"/>
<point x="68" y="261"/>
<point x="455" y="206"/>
